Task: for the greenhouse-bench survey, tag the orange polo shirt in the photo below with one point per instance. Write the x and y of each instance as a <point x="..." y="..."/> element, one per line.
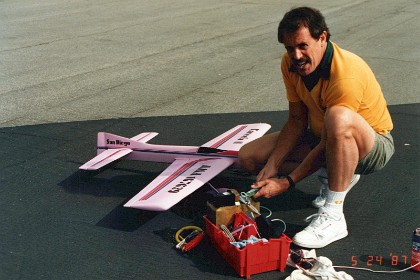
<point x="351" y="83"/>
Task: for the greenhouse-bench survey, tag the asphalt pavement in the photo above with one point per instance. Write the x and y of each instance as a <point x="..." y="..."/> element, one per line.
<point x="189" y="70"/>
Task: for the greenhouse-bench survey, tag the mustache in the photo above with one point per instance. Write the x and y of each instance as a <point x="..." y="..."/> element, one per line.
<point x="301" y="61"/>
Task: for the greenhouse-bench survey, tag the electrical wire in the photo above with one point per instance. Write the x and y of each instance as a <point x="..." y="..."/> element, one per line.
<point x="179" y="238"/>
<point x="269" y="211"/>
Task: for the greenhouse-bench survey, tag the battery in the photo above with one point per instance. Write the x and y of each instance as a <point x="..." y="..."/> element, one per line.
<point x="415" y="250"/>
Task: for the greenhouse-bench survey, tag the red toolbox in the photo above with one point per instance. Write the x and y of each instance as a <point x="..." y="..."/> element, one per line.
<point x="253" y="258"/>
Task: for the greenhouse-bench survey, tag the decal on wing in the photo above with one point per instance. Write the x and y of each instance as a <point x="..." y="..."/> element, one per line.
<point x="236" y="137"/>
<point x="179" y="180"/>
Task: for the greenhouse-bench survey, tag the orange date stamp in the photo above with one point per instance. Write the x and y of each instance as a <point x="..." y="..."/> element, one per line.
<point x="390" y="260"/>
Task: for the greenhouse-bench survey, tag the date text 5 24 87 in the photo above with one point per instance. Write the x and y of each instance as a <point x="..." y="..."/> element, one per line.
<point x="394" y="260"/>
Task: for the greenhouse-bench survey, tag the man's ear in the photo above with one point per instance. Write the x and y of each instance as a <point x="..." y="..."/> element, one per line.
<point x="323" y="37"/>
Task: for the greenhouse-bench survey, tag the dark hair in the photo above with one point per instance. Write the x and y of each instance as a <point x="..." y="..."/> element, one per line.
<point x="303" y="16"/>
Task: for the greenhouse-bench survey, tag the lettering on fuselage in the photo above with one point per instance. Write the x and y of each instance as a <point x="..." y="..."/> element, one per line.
<point x="117" y="142"/>
<point x="184" y="183"/>
<point x="245" y="136"/>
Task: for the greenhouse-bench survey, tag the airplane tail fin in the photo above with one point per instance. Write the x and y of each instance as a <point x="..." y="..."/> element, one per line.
<point x="108" y="140"/>
<point x="111" y="147"/>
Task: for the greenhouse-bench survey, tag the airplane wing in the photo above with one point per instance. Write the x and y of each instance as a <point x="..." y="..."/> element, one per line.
<point x="105" y="158"/>
<point x="179" y="180"/>
<point x="236" y="137"/>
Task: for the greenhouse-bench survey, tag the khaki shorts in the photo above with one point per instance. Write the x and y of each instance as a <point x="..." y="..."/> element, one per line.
<point x="382" y="151"/>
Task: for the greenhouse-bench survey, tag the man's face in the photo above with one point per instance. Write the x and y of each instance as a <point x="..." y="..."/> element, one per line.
<point x="305" y="52"/>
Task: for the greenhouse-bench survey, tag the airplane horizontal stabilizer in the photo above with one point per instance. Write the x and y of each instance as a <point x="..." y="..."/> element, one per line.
<point x="144" y="137"/>
<point x="105" y="158"/>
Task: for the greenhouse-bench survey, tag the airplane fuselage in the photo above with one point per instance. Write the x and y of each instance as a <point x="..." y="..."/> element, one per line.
<point x="166" y="153"/>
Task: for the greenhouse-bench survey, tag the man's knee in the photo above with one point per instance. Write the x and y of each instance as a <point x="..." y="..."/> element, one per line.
<point x="343" y="124"/>
<point x="247" y="159"/>
<point x="255" y="153"/>
<point x="338" y="122"/>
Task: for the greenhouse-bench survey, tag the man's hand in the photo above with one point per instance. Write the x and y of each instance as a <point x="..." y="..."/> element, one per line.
<point x="269" y="171"/>
<point x="271" y="187"/>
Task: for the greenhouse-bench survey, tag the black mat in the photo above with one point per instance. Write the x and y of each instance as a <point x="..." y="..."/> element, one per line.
<point x="59" y="225"/>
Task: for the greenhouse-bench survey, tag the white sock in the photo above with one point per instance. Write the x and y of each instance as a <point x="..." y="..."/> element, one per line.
<point x="323" y="178"/>
<point x="335" y="201"/>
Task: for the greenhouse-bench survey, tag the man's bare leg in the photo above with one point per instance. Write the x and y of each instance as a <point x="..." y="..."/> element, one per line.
<point x="254" y="155"/>
<point x="349" y="139"/>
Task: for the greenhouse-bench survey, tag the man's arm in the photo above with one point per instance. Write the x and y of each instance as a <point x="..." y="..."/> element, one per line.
<point x="293" y="129"/>
<point x="313" y="161"/>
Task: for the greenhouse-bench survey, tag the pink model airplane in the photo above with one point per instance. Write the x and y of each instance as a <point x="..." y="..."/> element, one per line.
<point x="191" y="166"/>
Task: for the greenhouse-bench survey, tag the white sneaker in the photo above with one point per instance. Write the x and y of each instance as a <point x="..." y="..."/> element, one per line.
<point x="319" y="201"/>
<point x="324" y="229"/>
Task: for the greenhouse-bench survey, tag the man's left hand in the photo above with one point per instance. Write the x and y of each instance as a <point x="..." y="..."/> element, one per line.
<point x="271" y="187"/>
